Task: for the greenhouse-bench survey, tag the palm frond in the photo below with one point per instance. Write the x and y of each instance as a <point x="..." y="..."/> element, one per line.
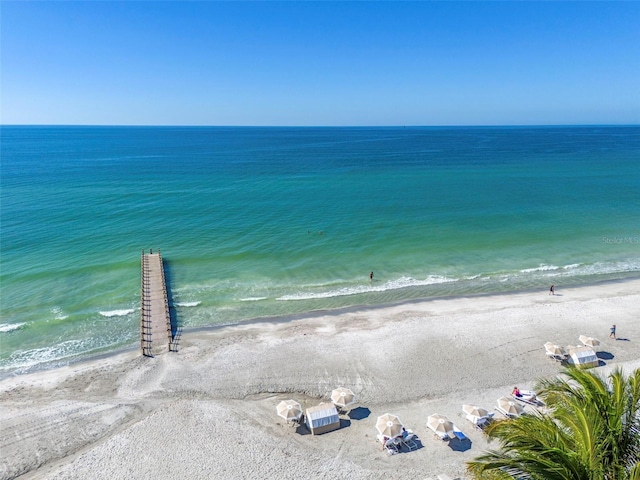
<point x="592" y="432"/>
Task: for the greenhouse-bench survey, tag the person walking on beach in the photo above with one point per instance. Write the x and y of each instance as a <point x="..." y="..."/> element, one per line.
<point x="371" y="276"/>
<point x="552" y="290"/>
<point x="613" y="331"/>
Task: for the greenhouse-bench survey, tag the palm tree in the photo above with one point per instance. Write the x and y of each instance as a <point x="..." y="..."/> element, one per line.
<point x="592" y="432"/>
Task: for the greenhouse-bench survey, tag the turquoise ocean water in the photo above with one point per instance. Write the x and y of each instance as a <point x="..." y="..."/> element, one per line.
<point x="267" y="222"/>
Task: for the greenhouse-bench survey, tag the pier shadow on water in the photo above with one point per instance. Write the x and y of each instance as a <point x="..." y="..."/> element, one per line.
<point x="176" y="325"/>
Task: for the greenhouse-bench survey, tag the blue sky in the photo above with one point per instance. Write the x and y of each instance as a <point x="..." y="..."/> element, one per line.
<point x="319" y="63"/>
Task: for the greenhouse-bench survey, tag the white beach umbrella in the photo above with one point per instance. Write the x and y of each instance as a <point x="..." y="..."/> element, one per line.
<point x="289" y="410"/>
<point x="510" y="406"/>
<point x="589" y="341"/>
<point x="474" y="410"/>
<point x="389" y="425"/>
<point x="440" y="424"/>
<point x="343" y="397"/>
<point x="554" y="349"/>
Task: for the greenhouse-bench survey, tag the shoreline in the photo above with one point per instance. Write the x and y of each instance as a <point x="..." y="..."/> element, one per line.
<point x="208" y="410"/>
<point x="364" y="308"/>
<point x="313" y="314"/>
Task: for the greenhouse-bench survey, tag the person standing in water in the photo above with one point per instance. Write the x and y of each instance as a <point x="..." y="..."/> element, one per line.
<point x="371" y="276"/>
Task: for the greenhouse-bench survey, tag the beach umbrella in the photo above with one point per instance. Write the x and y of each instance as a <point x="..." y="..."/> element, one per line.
<point x="510" y="406"/>
<point x="440" y="424"/>
<point x="474" y="411"/>
<point x="389" y="425"/>
<point x="289" y="410"/>
<point x="343" y="397"/>
<point x="554" y="349"/>
<point x="589" y="341"/>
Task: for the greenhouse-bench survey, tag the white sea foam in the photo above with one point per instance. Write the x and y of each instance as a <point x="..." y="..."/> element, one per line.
<point x="541" y="268"/>
<point x="583" y="269"/>
<point x="253" y="299"/>
<point x="36" y="356"/>
<point x="597" y="268"/>
<point x="57" y="314"/>
<point x="607" y="267"/>
<point x="402" y="282"/>
<point x="116" y="313"/>
<point x="186" y="304"/>
<point x="10" y="327"/>
<point x="573" y="265"/>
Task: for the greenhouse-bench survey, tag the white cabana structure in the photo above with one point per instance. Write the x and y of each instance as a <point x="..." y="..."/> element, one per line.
<point x="584" y="357"/>
<point x="322" y="418"/>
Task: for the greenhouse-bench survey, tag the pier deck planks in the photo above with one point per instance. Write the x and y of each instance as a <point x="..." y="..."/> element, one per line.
<point x="155" y="328"/>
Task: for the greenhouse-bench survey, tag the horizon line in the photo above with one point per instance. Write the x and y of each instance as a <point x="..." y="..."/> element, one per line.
<point x="480" y="125"/>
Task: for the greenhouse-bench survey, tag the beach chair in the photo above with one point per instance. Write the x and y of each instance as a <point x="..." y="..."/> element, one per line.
<point x="556" y="357"/>
<point x="409" y="442"/>
<point x="441" y="436"/>
<point x="555" y="352"/>
<point x="506" y="414"/>
<point x="480" y="422"/>
<point x="459" y="434"/>
<point x="527" y="396"/>
<point x="390" y="445"/>
<point x="476" y="421"/>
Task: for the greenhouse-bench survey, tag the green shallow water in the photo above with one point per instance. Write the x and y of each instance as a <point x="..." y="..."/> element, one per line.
<point x="256" y="222"/>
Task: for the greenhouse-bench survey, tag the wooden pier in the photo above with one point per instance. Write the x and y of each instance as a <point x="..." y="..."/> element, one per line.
<point x="155" y="321"/>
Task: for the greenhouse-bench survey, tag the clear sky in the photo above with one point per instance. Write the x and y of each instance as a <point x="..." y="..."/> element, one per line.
<point x="319" y="63"/>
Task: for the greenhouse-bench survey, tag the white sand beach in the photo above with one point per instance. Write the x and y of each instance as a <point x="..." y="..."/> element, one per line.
<point x="208" y="411"/>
